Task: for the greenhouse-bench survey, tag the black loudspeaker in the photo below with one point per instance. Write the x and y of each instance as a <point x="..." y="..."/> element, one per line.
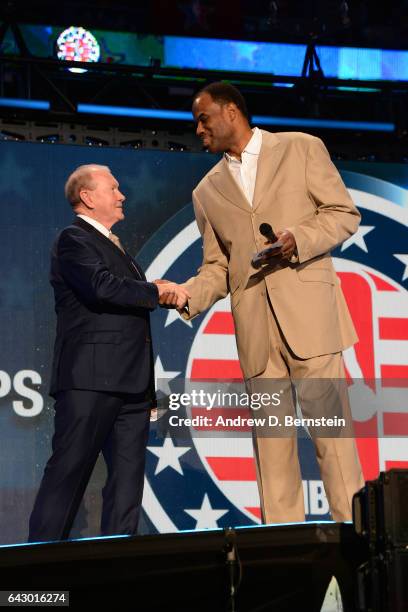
<point x="383" y="582"/>
<point x="380" y="516"/>
<point x="380" y="510"/>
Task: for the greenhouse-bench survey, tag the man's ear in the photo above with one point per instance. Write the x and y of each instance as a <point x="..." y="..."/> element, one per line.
<point x="232" y="111"/>
<point x="86" y="198"/>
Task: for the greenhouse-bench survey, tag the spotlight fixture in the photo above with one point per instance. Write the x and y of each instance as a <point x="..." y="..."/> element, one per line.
<point x="76" y="44"/>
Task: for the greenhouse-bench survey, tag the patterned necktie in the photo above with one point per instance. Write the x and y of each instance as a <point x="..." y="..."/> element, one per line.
<point x="115" y="239"/>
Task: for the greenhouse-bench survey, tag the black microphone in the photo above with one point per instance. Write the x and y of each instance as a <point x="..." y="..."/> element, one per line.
<point x="259" y="258"/>
<point x="267" y="231"/>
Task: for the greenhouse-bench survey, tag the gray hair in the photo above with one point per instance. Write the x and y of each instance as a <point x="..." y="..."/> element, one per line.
<point x="81" y="178"/>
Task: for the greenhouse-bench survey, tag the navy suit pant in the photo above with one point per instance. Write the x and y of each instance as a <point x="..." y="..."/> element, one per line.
<point x="86" y="423"/>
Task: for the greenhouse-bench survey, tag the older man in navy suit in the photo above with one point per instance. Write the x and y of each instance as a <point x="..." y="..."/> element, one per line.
<point x="102" y="378"/>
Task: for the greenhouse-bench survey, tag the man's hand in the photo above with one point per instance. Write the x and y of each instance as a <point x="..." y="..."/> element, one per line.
<point x="171" y="295"/>
<point x="287" y="249"/>
<point x="288" y="243"/>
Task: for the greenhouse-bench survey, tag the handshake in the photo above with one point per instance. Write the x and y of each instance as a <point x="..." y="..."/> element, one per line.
<point x="171" y="295"/>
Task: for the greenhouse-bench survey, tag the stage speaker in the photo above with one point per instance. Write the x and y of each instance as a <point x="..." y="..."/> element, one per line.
<point x="380" y="517"/>
<point x="380" y="510"/>
<point x="383" y="582"/>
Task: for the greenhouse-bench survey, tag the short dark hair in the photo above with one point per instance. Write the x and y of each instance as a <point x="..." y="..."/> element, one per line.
<point x="225" y="93"/>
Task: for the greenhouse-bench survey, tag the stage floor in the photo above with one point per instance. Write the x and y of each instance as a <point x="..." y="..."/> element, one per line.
<point x="273" y="567"/>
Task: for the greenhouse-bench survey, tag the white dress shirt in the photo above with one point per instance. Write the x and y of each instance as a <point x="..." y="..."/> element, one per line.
<point x="101" y="228"/>
<point x="244" y="170"/>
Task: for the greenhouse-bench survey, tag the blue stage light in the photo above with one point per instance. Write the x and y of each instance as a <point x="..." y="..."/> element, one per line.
<point x="336" y="124"/>
<point x="20" y="103"/>
<point x="124" y="111"/>
<point x="149" y="113"/>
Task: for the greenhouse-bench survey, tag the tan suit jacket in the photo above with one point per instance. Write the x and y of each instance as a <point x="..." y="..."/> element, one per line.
<point x="297" y="188"/>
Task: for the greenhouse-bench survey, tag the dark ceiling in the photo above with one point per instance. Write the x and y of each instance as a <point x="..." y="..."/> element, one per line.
<point x="372" y="23"/>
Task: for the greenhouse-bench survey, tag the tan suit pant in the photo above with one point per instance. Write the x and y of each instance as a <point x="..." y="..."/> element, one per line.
<point x="278" y="470"/>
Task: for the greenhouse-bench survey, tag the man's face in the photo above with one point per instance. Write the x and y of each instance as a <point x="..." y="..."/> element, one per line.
<point x="215" y="123"/>
<point x="106" y="199"/>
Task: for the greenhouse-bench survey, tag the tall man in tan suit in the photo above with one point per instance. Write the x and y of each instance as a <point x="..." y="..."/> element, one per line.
<point x="291" y="319"/>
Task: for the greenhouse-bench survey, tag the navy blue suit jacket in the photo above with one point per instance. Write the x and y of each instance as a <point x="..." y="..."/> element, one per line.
<point x="102" y="301"/>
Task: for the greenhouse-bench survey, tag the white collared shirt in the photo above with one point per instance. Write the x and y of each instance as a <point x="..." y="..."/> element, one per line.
<point x="101" y="228"/>
<point x="244" y="170"/>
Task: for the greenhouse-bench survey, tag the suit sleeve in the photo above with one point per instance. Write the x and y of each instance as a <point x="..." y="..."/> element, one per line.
<point x="152" y="380"/>
<point x="336" y="218"/>
<point x="211" y="282"/>
<point x="83" y="269"/>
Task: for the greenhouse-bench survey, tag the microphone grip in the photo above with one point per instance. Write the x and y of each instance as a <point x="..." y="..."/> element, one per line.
<point x="267" y="231"/>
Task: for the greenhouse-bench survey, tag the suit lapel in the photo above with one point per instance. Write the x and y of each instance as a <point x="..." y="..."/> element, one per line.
<point x="134" y="267"/>
<point x="269" y="159"/>
<point x="126" y="258"/>
<point x="223" y="181"/>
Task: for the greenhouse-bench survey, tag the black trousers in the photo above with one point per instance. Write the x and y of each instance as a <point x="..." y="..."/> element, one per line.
<point x="86" y="423"/>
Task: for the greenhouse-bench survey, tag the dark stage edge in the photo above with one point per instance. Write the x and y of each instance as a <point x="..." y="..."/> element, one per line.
<point x="284" y="568"/>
